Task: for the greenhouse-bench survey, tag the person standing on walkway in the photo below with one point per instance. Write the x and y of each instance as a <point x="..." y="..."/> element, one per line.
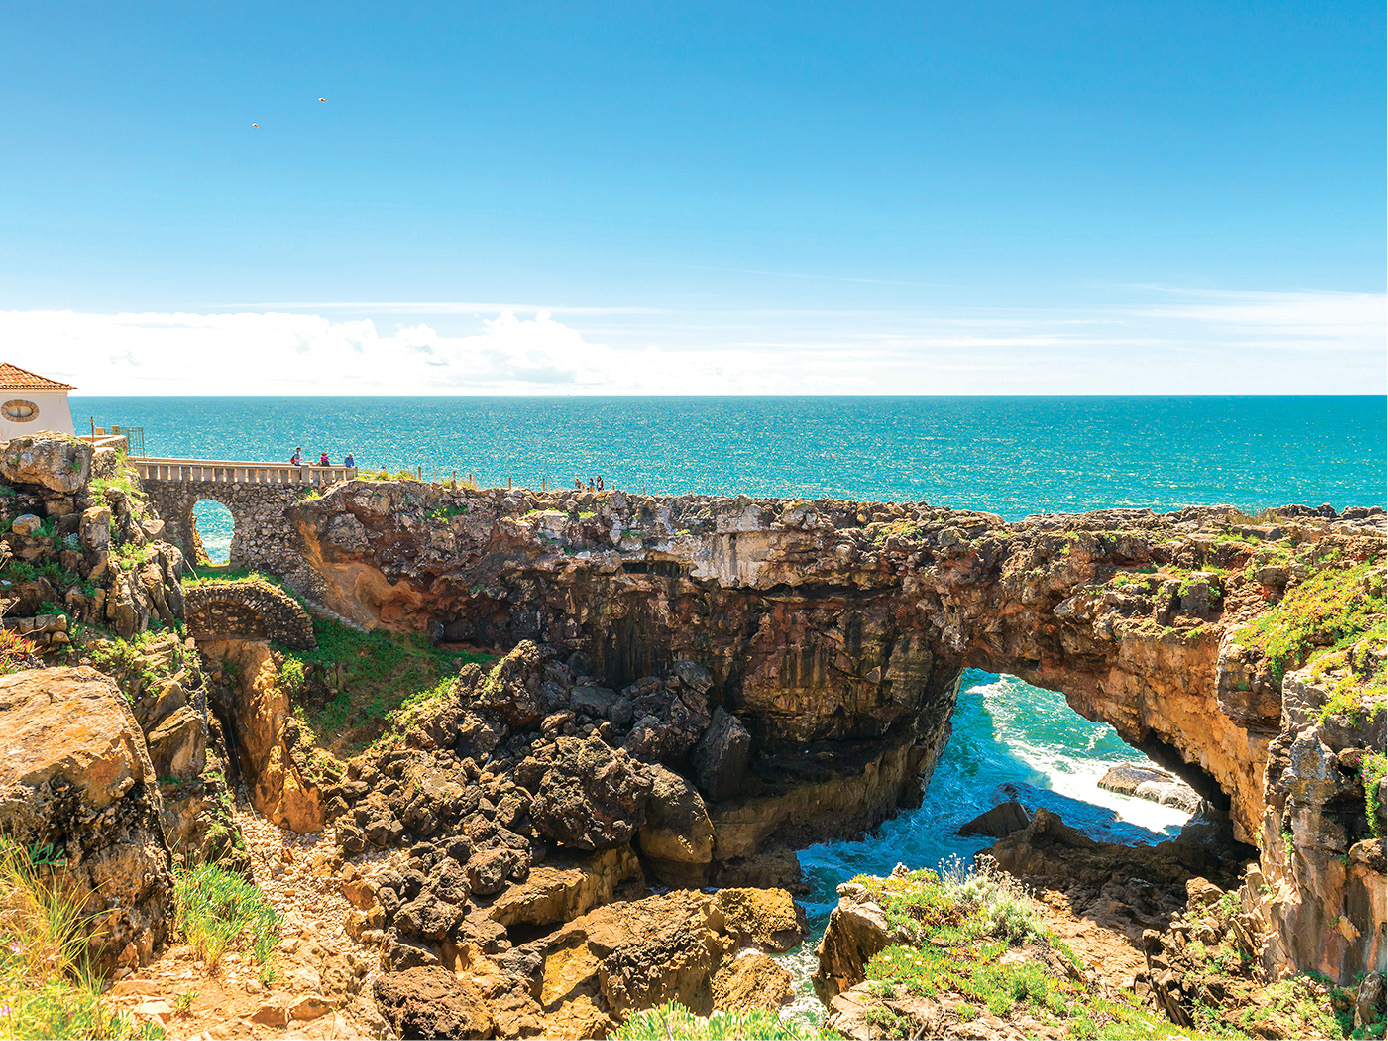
<point x="294" y="459"/>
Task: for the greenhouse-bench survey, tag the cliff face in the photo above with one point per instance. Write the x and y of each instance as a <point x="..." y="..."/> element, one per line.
<point x="836" y="632"/>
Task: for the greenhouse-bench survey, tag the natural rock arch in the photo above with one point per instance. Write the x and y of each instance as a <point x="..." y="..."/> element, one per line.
<point x="247" y="609"/>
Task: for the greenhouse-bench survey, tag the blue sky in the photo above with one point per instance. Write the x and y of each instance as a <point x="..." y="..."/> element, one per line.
<point x="721" y="198"/>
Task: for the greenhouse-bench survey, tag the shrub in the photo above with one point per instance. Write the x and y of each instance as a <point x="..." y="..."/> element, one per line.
<point x="1372" y="770"/>
<point x="291" y="675"/>
<point x="215" y="908"/>
<point x="17" y="653"/>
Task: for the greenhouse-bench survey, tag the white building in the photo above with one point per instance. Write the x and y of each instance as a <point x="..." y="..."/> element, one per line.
<point x="30" y="403"/>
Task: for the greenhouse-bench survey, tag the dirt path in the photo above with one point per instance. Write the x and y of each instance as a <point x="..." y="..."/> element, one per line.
<point x="323" y="977"/>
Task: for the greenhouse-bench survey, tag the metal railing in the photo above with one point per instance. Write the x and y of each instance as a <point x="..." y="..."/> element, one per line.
<point x="218" y="471"/>
<point x="134" y="436"/>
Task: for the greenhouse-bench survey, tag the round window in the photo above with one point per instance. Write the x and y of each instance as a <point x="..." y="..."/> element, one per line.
<point x="19" y="411"/>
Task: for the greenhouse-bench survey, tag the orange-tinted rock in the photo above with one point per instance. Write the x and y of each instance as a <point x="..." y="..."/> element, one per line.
<point x="75" y="775"/>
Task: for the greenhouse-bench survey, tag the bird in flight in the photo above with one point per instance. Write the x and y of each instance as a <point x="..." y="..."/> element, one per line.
<point x="255" y="126"/>
<point x="323" y="99"/>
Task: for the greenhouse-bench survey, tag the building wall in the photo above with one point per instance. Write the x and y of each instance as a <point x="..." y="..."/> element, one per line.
<point x="53" y="413"/>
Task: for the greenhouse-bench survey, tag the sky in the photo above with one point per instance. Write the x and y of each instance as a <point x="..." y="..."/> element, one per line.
<point x="695" y="198"/>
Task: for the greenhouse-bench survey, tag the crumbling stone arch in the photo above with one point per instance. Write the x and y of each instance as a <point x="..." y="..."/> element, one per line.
<point x="247" y="609"/>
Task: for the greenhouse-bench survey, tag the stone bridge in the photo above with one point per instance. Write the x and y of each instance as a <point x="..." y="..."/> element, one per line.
<point x="247" y="609"/>
<point x="257" y="494"/>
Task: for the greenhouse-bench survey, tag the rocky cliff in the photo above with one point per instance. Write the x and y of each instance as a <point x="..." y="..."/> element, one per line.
<point x="835" y="633"/>
<point x="692" y="688"/>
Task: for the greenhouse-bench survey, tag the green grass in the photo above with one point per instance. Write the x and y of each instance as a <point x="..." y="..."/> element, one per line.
<point x="125" y="481"/>
<point x="1331" y="611"/>
<point x="954" y="931"/>
<point x="674" y="1022"/>
<point x="216" y="909"/>
<point x="447" y="512"/>
<point x="383" y="680"/>
<point x="125" y="661"/>
<point x="47" y="987"/>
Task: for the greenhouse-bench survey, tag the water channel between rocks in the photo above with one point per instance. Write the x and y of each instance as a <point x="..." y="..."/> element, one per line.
<point x="1004" y="732"/>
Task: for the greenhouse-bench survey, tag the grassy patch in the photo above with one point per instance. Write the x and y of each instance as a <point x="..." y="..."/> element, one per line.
<point x="447" y="512"/>
<point x="1331" y="611"/>
<point x="975" y="940"/>
<point x="216" y="909"/>
<point x="138" y="665"/>
<point x="674" y="1022"/>
<point x="47" y="988"/>
<point x="371" y="686"/>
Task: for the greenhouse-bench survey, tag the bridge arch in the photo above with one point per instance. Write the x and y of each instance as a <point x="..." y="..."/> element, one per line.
<point x="210" y="545"/>
<point x="259" y="497"/>
<point x="247" y="609"/>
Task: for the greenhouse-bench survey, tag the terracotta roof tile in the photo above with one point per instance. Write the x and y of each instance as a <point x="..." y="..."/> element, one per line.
<point x="12" y="377"/>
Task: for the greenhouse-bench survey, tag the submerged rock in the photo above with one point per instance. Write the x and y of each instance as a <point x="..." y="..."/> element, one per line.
<point x="1147" y="782"/>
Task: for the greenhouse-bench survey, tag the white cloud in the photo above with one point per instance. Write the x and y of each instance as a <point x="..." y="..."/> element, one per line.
<point x="1181" y="342"/>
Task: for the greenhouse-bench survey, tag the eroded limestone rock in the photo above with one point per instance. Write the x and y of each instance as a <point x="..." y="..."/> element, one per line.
<point x="75" y="775"/>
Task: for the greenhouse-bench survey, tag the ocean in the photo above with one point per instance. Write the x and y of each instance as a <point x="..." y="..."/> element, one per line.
<point x="1011" y="456"/>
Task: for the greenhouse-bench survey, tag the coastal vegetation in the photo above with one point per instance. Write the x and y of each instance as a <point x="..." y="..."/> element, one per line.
<point x="674" y="1022"/>
<point x="47" y="986"/>
<point x="216" y="909"/>
<point x="975" y="943"/>
<point x="1333" y="620"/>
<point x="361" y="687"/>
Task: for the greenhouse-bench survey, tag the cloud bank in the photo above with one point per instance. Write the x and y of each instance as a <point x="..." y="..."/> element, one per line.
<point x="1175" y="342"/>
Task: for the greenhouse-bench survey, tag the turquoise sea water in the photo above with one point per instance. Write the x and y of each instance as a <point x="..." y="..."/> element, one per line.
<point x="1012" y="456"/>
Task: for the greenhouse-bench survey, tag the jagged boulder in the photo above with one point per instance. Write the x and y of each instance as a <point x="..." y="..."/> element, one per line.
<point x="857" y="930"/>
<point x="1001" y="820"/>
<point x="751" y="980"/>
<point x="432" y="1002"/>
<point x="75" y="775"/>
<point x="677" y="824"/>
<point x="511" y="692"/>
<point x="589" y="795"/>
<point x="637" y="955"/>
<point x="721" y="756"/>
<point x="54" y="461"/>
<point x="765" y="918"/>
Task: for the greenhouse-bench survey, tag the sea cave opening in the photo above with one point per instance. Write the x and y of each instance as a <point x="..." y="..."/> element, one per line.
<point x="1009" y="740"/>
<point x="213" y="527"/>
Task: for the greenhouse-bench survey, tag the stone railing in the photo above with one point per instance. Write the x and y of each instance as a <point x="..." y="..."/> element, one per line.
<point x="212" y="471"/>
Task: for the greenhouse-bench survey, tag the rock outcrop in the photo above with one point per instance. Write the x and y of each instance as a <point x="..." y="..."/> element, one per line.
<point x="834" y="633"/>
<point x="275" y="763"/>
<point x="1145" y="782"/>
<point x="77" y="783"/>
